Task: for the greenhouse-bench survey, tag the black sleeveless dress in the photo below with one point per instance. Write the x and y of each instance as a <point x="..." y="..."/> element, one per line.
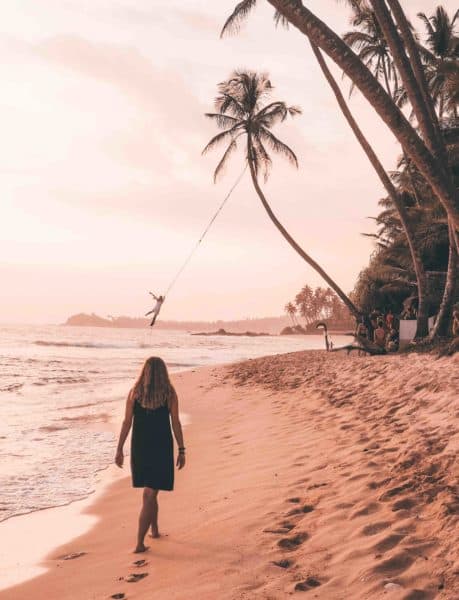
<point x="152" y="450"/>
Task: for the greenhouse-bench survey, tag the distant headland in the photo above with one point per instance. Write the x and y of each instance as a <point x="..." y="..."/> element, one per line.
<point x="265" y="325"/>
<point x="252" y="327"/>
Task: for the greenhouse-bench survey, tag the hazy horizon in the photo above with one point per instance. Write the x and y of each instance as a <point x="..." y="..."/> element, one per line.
<point x="105" y="190"/>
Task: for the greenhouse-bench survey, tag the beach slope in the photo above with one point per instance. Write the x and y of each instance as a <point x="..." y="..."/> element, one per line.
<point x="329" y="474"/>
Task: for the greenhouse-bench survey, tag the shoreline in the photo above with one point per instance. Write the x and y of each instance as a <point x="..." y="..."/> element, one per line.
<point x="74" y="519"/>
<point x="279" y="470"/>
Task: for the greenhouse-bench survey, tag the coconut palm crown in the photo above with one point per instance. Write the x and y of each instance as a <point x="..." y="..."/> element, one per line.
<point x="368" y="40"/>
<point x="441" y="56"/>
<point x="244" y="110"/>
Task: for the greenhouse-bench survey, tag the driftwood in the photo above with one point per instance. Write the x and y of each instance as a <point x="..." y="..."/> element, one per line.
<point x="363" y="345"/>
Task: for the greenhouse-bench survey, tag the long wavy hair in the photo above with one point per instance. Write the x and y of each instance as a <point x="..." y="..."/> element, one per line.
<point x="153" y="388"/>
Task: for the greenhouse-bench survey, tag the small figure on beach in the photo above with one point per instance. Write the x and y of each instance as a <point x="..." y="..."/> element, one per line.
<point x="157" y="307"/>
<point x="389" y="319"/>
<point x="361" y="330"/>
<point x="151" y="407"/>
<point x="392" y="340"/>
<point x="379" y="335"/>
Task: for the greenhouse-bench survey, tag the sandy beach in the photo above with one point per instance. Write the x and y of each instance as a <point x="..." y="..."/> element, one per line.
<point x="315" y="473"/>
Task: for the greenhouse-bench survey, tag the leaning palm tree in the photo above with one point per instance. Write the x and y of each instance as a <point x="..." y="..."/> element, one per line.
<point x="243" y="110"/>
<point x="428" y="163"/>
<point x="369" y="41"/>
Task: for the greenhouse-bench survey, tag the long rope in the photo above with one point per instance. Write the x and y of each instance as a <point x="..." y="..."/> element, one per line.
<point x="204" y="233"/>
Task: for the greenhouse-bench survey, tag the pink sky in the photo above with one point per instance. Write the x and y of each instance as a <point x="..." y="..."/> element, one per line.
<point x="104" y="190"/>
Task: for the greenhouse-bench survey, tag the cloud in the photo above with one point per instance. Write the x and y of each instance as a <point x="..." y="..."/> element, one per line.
<point x="156" y="89"/>
<point x="145" y="14"/>
<point x="164" y="132"/>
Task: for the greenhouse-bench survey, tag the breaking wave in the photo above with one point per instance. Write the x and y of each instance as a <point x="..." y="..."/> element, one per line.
<point x="84" y="344"/>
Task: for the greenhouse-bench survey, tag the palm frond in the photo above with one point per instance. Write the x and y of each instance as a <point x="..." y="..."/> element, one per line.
<point x="221" y="137"/>
<point x="231" y="148"/>
<point x="277" y="146"/>
<point x="240" y="13"/>
<point x="222" y="120"/>
<point x="280" y="20"/>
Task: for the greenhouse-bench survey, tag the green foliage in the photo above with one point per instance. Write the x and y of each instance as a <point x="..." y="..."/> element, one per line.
<point x="319" y="303"/>
<point x="389" y="278"/>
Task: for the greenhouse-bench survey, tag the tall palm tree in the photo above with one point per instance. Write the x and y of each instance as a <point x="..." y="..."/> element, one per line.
<point x="244" y="110"/>
<point x="291" y="310"/>
<point x="304" y="301"/>
<point x="441" y="56"/>
<point x="372" y="48"/>
<point x="329" y="42"/>
<point x="419" y="95"/>
<point x="396" y="198"/>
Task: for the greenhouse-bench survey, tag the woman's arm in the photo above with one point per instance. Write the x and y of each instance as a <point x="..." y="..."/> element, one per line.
<point x="125" y="428"/>
<point x="177" y="429"/>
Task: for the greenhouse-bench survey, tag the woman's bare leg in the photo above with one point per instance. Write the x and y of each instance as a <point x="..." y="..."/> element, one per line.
<point x="154" y="517"/>
<point x="145" y="517"/>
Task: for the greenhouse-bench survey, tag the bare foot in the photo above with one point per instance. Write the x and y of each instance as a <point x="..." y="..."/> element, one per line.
<point x="140" y="548"/>
<point x="155" y="534"/>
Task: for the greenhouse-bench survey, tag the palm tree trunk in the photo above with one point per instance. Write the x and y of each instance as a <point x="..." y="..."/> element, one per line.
<point x="414" y="187"/>
<point x="443" y="322"/>
<point x="326" y="39"/>
<point x="311" y="262"/>
<point x="418" y="69"/>
<point x="413" y="77"/>
<point x="405" y="68"/>
<point x="411" y="45"/>
<point x="416" y="88"/>
<point x="422" y="324"/>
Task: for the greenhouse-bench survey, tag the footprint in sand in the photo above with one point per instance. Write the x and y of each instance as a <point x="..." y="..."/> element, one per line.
<point x="344" y="505"/>
<point x="358" y="476"/>
<point x="405" y="504"/>
<point x="287" y="525"/>
<point x="135" y="577"/>
<point x="279" y="530"/>
<point x="72" y="556"/>
<point x="369" y="509"/>
<point x="395" y="565"/>
<point x="395" y="491"/>
<point x="374" y="485"/>
<point x="293" y="542"/>
<point x="375" y="528"/>
<point x="388" y="542"/>
<point x="307" y="508"/>
<point x="314" y="486"/>
<point x="418" y="595"/>
<point x="283" y="564"/>
<point x="309" y="584"/>
<point x="140" y="563"/>
<point x="118" y="596"/>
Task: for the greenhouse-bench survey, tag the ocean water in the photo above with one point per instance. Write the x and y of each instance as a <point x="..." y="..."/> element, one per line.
<point x="59" y="386"/>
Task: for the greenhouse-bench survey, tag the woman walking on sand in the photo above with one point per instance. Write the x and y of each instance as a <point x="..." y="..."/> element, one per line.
<point x="151" y="406"/>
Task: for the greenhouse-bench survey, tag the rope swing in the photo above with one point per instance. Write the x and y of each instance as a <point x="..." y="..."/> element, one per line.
<point x="160" y="299"/>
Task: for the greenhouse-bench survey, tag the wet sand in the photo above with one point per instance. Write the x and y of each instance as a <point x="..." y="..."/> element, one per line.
<point x="309" y="472"/>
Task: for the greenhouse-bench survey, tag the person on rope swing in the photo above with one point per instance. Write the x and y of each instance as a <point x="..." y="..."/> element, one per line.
<point x="157" y="307"/>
